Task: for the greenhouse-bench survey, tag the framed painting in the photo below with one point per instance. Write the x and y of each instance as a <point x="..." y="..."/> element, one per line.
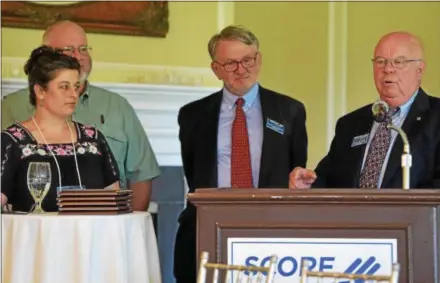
<point x="139" y="18"/>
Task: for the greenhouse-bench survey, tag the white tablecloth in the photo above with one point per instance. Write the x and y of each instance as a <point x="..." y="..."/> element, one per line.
<point x="52" y="248"/>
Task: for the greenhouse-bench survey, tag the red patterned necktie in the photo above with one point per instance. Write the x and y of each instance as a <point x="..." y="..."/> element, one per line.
<point x="241" y="170"/>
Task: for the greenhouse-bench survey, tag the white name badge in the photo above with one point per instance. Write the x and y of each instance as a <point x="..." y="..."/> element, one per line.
<point x="360" y="140"/>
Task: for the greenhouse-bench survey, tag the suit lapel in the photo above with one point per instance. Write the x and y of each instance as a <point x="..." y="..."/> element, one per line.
<point x="357" y="153"/>
<point x="270" y="110"/>
<point x="208" y="139"/>
<point x="420" y="105"/>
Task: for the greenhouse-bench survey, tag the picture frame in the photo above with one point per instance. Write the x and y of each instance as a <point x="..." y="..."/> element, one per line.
<point x="136" y="18"/>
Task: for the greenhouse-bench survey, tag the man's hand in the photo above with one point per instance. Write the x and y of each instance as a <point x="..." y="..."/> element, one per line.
<point x="301" y="178"/>
<point x="141" y="194"/>
<point x="4" y="199"/>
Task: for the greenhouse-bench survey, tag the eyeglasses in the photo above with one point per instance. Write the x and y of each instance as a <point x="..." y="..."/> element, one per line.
<point x="398" y="63"/>
<point x="83" y="50"/>
<point x="232" y="66"/>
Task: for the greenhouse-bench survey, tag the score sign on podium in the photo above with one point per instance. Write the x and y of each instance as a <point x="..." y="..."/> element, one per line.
<point x="360" y="256"/>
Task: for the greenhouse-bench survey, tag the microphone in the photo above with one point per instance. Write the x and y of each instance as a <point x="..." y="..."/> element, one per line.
<point x="380" y="111"/>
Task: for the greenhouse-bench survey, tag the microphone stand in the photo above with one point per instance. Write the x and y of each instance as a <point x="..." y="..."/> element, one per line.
<point x="406" y="156"/>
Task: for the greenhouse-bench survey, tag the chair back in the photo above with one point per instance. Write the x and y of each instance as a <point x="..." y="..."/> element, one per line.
<point x="235" y="273"/>
<point x="352" y="278"/>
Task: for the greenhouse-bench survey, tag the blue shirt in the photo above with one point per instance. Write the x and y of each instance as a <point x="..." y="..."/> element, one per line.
<point x="254" y="122"/>
<point x="398" y="120"/>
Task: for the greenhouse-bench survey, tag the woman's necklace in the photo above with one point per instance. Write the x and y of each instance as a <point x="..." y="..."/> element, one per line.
<point x="53" y="155"/>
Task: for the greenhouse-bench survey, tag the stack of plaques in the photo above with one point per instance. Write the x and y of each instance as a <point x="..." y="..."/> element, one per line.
<point x="94" y="201"/>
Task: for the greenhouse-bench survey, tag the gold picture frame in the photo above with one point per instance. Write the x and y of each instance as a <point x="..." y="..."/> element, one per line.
<point x="146" y="18"/>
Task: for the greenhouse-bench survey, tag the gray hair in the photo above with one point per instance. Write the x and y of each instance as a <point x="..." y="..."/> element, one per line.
<point x="232" y="32"/>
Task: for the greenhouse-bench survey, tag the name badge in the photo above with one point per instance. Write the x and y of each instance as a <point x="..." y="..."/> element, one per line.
<point x="360" y="140"/>
<point x="275" y="126"/>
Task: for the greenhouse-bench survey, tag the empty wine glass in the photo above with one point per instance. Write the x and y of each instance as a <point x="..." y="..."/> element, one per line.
<point x="39" y="180"/>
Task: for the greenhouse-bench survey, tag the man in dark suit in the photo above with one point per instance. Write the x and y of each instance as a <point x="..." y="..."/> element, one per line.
<point x="243" y="136"/>
<point x="364" y="153"/>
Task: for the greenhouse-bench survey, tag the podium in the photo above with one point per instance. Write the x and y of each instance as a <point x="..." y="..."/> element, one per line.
<point x="343" y="230"/>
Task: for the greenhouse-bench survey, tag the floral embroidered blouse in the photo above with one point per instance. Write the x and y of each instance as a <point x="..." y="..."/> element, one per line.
<point x="97" y="165"/>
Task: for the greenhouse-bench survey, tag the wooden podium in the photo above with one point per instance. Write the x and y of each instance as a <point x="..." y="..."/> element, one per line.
<point x="411" y="217"/>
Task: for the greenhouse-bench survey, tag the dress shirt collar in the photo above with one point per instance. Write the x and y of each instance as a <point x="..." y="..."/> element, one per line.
<point x="230" y="99"/>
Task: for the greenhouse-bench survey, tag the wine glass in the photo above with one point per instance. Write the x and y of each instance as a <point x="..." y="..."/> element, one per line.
<point x="38" y="180"/>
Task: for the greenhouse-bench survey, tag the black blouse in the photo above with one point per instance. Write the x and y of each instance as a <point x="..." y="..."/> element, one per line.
<point x="96" y="163"/>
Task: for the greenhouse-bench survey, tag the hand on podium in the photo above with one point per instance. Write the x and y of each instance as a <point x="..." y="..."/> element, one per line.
<point x="301" y="178"/>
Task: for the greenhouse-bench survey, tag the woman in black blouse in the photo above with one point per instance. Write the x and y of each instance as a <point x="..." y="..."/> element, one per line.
<point x="78" y="155"/>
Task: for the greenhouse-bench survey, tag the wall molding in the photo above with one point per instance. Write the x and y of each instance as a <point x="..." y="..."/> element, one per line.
<point x="156" y="106"/>
<point x="337" y="65"/>
<point x="12" y="68"/>
<point x="225" y="14"/>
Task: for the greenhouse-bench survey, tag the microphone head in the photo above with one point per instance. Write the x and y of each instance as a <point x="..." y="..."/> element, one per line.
<point x="380" y="110"/>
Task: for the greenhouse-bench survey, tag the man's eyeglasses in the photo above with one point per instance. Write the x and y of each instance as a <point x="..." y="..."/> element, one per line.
<point x="232" y="66"/>
<point x="398" y="63"/>
<point x="70" y="50"/>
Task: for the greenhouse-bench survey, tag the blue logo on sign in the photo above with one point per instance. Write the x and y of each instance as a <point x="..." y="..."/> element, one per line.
<point x="369" y="267"/>
<point x="288" y="266"/>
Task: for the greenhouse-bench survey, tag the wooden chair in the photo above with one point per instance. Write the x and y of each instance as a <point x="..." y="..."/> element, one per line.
<point x="354" y="278"/>
<point x="243" y="273"/>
